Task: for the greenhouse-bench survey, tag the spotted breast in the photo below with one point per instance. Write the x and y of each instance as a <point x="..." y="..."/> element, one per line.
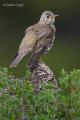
<point x="51" y="41"/>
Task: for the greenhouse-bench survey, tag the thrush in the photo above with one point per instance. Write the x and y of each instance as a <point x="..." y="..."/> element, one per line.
<point x="38" y="39"/>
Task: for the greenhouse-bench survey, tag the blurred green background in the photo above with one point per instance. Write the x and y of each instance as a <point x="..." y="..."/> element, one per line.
<point x="14" y="20"/>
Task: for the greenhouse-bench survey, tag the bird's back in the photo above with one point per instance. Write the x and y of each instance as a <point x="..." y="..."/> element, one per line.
<point x="29" y="40"/>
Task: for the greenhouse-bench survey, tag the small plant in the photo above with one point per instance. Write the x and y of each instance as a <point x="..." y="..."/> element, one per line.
<point x="19" y="102"/>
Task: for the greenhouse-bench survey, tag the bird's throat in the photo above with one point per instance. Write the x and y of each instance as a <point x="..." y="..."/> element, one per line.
<point x="52" y="27"/>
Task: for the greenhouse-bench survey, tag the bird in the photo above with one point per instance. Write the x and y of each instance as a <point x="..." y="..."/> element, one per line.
<point x="38" y="40"/>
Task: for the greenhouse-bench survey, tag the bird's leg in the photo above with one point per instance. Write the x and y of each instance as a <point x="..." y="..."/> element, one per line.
<point x="40" y="73"/>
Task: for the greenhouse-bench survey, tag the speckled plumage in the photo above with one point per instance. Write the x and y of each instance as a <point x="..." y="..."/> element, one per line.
<point x="45" y="39"/>
<point x="38" y="40"/>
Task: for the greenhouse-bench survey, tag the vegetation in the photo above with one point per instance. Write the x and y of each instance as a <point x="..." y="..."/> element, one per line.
<point x="19" y="102"/>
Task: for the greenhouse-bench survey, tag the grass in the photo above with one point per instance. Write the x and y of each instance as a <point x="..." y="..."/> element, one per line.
<point x="19" y="102"/>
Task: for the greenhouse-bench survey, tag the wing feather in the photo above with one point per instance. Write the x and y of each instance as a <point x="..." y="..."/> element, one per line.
<point x="40" y="46"/>
<point x="28" y="42"/>
<point x="25" y="46"/>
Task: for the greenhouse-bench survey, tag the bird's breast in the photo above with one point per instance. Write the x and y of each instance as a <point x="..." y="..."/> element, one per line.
<point x="49" y="46"/>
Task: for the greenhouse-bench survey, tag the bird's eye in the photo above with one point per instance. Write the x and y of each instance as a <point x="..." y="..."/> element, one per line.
<point x="47" y="16"/>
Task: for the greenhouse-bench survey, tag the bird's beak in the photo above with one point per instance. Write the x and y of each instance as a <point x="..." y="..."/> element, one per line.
<point x="56" y="15"/>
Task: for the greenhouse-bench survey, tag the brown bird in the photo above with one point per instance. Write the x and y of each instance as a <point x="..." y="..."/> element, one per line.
<point x="38" y="39"/>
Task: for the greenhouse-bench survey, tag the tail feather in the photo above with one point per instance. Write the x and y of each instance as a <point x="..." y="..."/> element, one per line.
<point x="16" y="60"/>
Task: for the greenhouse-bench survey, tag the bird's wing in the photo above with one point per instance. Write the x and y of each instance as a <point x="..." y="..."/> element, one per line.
<point x="28" y="42"/>
<point x="25" y="46"/>
<point x="39" y="47"/>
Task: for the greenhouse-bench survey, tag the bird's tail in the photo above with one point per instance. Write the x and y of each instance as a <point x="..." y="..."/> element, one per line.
<point x="16" y="60"/>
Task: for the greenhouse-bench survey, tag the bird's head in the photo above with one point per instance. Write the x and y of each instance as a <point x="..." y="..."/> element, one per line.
<point x="48" y="17"/>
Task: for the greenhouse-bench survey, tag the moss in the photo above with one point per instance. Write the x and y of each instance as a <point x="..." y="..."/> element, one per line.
<point x="18" y="101"/>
